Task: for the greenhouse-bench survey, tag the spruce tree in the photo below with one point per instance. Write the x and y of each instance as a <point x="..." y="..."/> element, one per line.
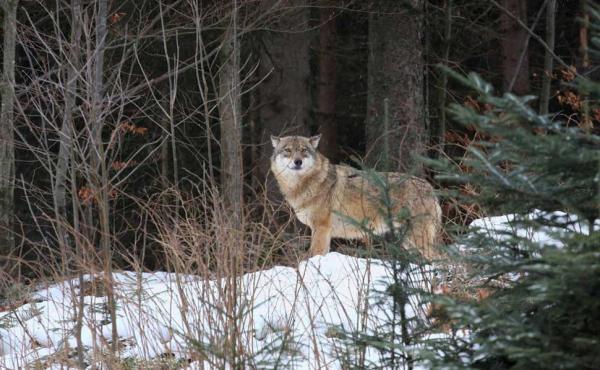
<point x="535" y="278"/>
<point x="541" y="309"/>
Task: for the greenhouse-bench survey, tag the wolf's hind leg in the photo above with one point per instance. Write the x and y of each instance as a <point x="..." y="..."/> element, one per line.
<point x="321" y="237"/>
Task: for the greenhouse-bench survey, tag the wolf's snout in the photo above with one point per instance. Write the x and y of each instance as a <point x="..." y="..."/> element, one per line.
<point x="298" y="162"/>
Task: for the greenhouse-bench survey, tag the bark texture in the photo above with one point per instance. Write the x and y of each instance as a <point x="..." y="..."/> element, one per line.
<point x="230" y="117"/>
<point x="395" y="74"/>
<point x="7" y="153"/>
<point x="548" y="59"/>
<point x="515" y="59"/>
<point x="440" y="126"/>
<point x="66" y="131"/>
<point x="99" y="179"/>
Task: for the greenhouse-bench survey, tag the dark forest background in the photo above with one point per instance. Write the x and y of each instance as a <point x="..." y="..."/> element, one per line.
<point x="126" y="124"/>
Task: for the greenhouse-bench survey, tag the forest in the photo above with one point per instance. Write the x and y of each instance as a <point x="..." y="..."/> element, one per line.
<point x="137" y="144"/>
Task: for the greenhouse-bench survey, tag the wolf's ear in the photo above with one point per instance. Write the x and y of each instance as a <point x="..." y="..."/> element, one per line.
<point x="274" y="141"/>
<point x="314" y="140"/>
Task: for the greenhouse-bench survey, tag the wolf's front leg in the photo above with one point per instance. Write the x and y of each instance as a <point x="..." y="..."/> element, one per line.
<point x="319" y="243"/>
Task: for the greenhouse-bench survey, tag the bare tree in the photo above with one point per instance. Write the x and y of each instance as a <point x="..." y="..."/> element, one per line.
<point x="98" y="176"/>
<point x="230" y="101"/>
<point x="230" y="117"/>
<point x="7" y="152"/>
<point x="80" y="99"/>
<point x="395" y="128"/>
<point x="72" y="67"/>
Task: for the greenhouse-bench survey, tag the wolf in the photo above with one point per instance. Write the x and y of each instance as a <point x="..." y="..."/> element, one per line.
<point x="337" y="201"/>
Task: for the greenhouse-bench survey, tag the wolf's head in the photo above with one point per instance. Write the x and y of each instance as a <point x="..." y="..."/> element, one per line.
<point x="294" y="155"/>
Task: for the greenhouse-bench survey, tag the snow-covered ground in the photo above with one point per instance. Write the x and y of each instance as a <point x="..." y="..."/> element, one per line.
<point x="500" y="227"/>
<point x="290" y="316"/>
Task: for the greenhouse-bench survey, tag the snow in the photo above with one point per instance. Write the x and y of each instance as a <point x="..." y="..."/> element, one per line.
<point x="301" y="310"/>
<point x="158" y="313"/>
<point x="500" y="227"/>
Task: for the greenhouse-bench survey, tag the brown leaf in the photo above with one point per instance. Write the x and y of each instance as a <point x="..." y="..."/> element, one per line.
<point x="132" y="128"/>
<point x="85" y="195"/>
<point x="118" y="165"/>
<point x="568" y="74"/>
<point x="571" y="99"/>
<point x="114" y="18"/>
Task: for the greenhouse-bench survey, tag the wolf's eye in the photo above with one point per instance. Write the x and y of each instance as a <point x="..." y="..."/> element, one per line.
<point x="304" y="150"/>
<point x="287" y="151"/>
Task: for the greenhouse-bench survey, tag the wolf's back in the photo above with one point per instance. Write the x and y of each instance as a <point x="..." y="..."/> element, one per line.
<point x="425" y="215"/>
<point x="362" y="196"/>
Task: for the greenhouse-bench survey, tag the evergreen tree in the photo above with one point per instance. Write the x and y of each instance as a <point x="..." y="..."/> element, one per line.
<point x="542" y="300"/>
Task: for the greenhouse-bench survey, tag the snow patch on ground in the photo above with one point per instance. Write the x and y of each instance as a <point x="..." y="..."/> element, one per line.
<point x="290" y="315"/>
<point x="160" y="313"/>
<point x="530" y="226"/>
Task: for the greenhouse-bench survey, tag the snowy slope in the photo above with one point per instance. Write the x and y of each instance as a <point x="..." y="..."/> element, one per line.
<point x="292" y="316"/>
<point x="158" y="313"/>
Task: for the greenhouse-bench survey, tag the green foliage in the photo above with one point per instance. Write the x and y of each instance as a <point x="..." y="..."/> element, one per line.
<point x="542" y="311"/>
<point x="527" y="161"/>
<point x="400" y="304"/>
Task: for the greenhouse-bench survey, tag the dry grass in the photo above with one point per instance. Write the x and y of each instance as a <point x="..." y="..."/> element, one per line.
<point x="207" y="256"/>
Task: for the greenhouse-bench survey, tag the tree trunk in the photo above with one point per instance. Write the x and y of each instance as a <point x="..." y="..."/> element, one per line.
<point x="395" y="76"/>
<point x="165" y="158"/>
<point x="230" y="116"/>
<point x="230" y="102"/>
<point x="7" y="153"/>
<point x="326" y="94"/>
<point x="100" y="180"/>
<point x="548" y="59"/>
<point x="284" y="96"/>
<point x="100" y="175"/>
<point x="441" y="124"/>
<point x="585" y="123"/>
<point x="66" y="131"/>
<point x="583" y="35"/>
<point x="515" y="59"/>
